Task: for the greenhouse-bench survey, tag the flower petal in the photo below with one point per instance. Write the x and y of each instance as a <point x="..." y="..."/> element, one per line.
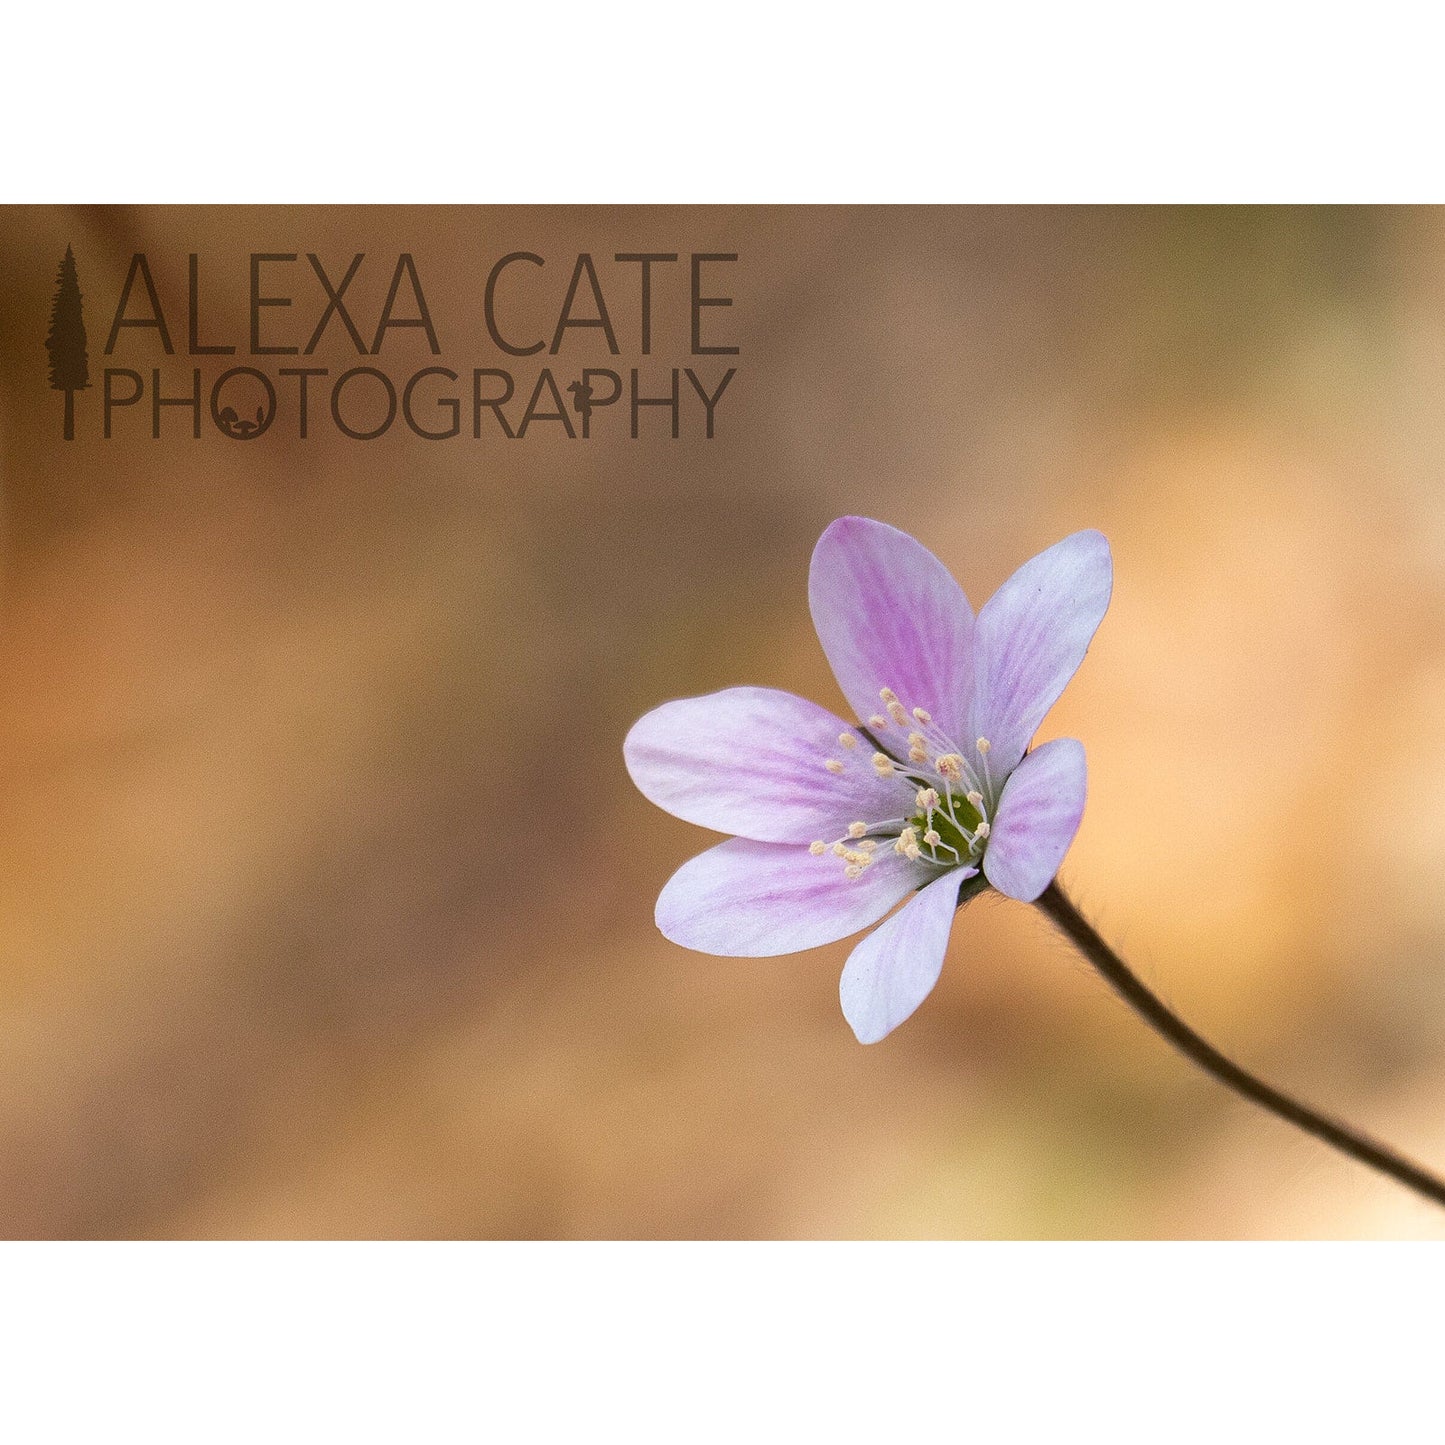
<point x="894" y="969"/>
<point x="750" y="900"/>
<point x="1038" y="816"/>
<point x="1031" y="637"/>
<point x="750" y="760"/>
<point x="889" y="614"/>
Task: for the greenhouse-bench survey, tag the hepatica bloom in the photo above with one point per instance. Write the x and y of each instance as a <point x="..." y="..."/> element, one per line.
<point x="931" y="795"/>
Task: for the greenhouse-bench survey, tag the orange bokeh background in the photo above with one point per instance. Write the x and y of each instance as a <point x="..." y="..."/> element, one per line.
<point x="325" y="899"/>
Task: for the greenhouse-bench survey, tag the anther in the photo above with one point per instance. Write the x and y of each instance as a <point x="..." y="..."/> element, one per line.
<point x="976" y="798"/>
<point x="839" y="851"/>
<point x="867" y="845"/>
<point x="882" y="764"/>
<point x="853" y="870"/>
<point x="923" y="715"/>
<point x="982" y="830"/>
<point x="833" y="765"/>
<point x="857" y="830"/>
<point x="983" y="745"/>
<point x="932" y="838"/>
<point x="887" y="694"/>
<point x="847" y="740"/>
<point x="818" y="849"/>
<point x="927" y="799"/>
<point x="896" y="712"/>
<point x="950" y="765"/>
<point x="878" y="722"/>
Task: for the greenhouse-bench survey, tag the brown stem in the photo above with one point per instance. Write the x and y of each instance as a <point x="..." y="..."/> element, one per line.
<point x="1116" y="973"/>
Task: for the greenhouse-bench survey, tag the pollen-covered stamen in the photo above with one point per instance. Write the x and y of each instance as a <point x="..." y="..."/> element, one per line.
<point x="928" y="741"/>
<point x="984" y="748"/>
<point x="878" y="722"/>
<point x="948" y="827"/>
<point x="934" y="840"/>
<point x="854" y="849"/>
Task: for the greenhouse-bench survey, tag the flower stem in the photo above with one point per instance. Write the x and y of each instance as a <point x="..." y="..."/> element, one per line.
<point x="1117" y="974"/>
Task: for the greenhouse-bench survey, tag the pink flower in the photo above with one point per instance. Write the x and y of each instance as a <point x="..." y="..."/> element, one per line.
<point x="836" y="823"/>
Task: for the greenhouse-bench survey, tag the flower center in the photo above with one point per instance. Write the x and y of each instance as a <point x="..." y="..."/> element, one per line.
<point x="945" y="821"/>
<point x="955" y="820"/>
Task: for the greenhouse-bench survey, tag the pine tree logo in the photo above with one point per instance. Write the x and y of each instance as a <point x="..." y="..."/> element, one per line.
<point x="65" y="341"/>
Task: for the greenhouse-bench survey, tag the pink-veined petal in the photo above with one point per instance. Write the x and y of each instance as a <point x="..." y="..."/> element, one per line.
<point x="1038" y="816"/>
<point x="744" y="899"/>
<point x="889" y="614"/>
<point x="894" y="969"/>
<point x="751" y="761"/>
<point x="1030" y="639"/>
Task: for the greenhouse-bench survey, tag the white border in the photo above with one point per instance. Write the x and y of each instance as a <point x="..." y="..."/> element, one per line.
<point x="298" y="101"/>
<point x="727" y="1343"/>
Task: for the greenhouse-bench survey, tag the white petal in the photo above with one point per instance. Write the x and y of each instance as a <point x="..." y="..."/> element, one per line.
<point x="1038" y="816"/>
<point x="751" y="900"/>
<point x="752" y="761"/>
<point x="1031" y="637"/>
<point x="889" y="614"/>
<point x="894" y="969"/>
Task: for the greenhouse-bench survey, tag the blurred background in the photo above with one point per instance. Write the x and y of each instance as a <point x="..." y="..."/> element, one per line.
<point x="326" y="901"/>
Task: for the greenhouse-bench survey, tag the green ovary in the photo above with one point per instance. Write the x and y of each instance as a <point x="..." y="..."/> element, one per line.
<point x="950" y="834"/>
